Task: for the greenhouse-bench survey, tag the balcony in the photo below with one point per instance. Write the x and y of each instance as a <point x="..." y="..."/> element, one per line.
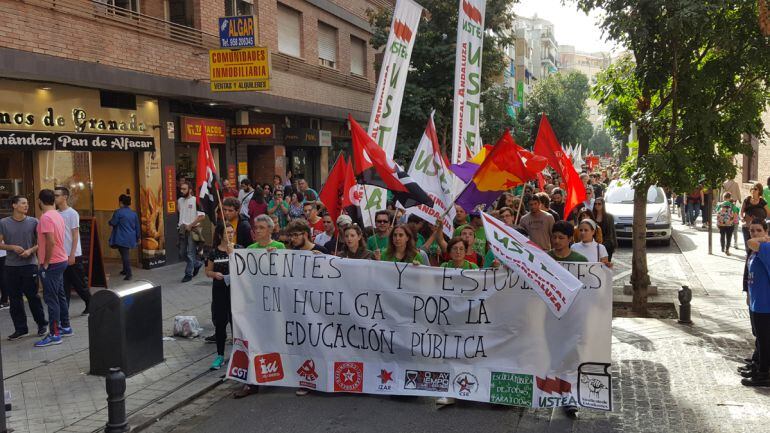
<point x="130" y="20"/>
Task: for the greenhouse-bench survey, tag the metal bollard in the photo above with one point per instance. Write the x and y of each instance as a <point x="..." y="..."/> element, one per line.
<point x="685" y="313"/>
<point x="116" y="402"/>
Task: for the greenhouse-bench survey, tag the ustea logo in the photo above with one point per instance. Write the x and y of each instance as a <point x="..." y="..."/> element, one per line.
<point x="472" y="12"/>
<point x="465" y="384"/>
<point x="268" y="368"/>
<point x="308" y="373"/>
<point x="402" y="31"/>
<point x="239" y="368"/>
<point x="348" y="377"/>
<point x="553" y="386"/>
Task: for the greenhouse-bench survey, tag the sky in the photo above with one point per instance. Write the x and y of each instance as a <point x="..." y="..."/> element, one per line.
<point x="572" y="27"/>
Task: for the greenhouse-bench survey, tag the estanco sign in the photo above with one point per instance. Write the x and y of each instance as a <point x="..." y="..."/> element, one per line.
<point x="253" y="131"/>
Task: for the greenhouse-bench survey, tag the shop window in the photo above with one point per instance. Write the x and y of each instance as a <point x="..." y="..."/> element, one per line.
<point x="15" y="179"/>
<point x="73" y="171"/>
<point x="239" y="7"/>
<point x="357" y="56"/>
<point x="289" y="25"/>
<point x="327" y="45"/>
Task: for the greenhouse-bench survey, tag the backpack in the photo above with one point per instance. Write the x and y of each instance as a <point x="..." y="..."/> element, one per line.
<point x="725" y="217"/>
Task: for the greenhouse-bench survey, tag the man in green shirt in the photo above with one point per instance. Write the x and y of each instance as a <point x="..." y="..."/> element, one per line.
<point x="379" y="240"/>
<point x="263" y="228"/>
<point x="561" y="236"/>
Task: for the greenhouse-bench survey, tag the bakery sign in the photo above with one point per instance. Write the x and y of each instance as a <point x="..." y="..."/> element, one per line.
<point x="78" y="120"/>
<point x="45" y="140"/>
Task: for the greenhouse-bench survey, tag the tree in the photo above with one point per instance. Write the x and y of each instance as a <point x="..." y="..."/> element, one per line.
<point x="600" y="143"/>
<point x="698" y="78"/>
<point x="562" y="97"/>
<point x="430" y="83"/>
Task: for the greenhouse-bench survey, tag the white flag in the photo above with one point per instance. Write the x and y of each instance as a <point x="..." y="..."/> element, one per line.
<point x="383" y="121"/>
<point x="556" y="286"/>
<point x="430" y="171"/>
<point x="466" y="116"/>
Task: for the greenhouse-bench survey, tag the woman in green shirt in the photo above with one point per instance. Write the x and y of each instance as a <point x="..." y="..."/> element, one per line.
<point x="401" y="247"/>
<point x="456" y="248"/>
<point x="279" y="206"/>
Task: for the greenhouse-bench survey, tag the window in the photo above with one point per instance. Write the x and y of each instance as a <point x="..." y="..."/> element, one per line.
<point x="751" y="162"/>
<point x="132" y="5"/>
<point x="181" y="12"/>
<point x="357" y="56"/>
<point x="327" y="45"/>
<point x="239" y="7"/>
<point x="289" y="31"/>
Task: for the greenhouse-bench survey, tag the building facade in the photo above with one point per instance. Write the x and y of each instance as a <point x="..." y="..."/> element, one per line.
<point x="755" y="167"/>
<point x="589" y="64"/>
<point x="109" y="97"/>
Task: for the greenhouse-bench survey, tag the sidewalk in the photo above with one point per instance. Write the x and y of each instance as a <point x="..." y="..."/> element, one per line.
<point x="670" y="377"/>
<point x="52" y="390"/>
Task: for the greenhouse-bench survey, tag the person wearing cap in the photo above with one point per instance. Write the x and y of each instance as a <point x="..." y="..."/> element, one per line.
<point x="588" y="247"/>
<point x="335" y="242"/>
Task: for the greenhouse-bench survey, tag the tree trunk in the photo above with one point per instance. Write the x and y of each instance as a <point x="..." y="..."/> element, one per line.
<point x="640" y="278"/>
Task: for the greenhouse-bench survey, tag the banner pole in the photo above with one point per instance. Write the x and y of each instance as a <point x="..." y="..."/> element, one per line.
<point x="521" y="202"/>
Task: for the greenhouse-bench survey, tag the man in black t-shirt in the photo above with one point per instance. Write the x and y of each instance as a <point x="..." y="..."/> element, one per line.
<point x="299" y="237"/>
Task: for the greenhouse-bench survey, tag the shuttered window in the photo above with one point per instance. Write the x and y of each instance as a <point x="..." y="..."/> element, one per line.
<point x="357" y="56"/>
<point x="289" y="31"/>
<point x="327" y="45"/>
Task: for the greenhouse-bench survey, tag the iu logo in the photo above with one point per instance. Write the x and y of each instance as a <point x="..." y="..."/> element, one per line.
<point x="308" y="373"/>
<point x="268" y="368"/>
<point x="348" y="377"/>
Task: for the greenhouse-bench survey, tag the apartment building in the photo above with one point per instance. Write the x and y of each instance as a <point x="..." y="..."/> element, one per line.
<point x="589" y="64"/>
<point x="109" y="97"/>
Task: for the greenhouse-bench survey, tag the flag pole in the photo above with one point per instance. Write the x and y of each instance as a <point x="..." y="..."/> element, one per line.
<point x="521" y="203"/>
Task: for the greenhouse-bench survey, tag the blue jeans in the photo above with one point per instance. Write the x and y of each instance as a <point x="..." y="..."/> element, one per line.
<point x="53" y="294"/>
<point x="190" y="255"/>
<point x="692" y="212"/>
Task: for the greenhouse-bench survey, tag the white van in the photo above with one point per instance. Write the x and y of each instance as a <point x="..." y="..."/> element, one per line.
<point x="619" y="199"/>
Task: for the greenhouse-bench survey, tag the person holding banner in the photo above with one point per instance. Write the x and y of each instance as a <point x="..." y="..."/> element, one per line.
<point x="457" y="255"/>
<point x="379" y="240"/>
<point x="299" y="237"/>
<point x="262" y="234"/>
<point x="354" y="247"/>
<point x="401" y="247"/>
<point x="435" y="245"/>
<point x="218" y="269"/>
<point x="561" y="237"/>
<point x="588" y="247"/>
<point x="759" y="301"/>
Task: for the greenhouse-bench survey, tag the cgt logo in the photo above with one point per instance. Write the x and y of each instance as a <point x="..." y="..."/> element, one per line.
<point x="553" y="386"/>
<point x="402" y="31"/>
<point x="240" y="366"/>
<point x="268" y="368"/>
<point x="472" y="11"/>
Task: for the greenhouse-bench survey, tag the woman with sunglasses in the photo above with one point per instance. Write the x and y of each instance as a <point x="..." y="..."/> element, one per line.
<point x="606" y="223"/>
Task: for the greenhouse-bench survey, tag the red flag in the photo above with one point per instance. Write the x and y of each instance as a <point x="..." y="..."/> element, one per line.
<point x="540" y="182"/>
<point x="206" y="183"/>
<point x="548" y="146"/>
<point x="333" y="192"/>
<point x="351" y="193"/>
<point x="374" y="167"/>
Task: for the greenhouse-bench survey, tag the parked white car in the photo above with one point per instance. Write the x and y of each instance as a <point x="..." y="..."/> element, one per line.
<point x="619" y="199"/>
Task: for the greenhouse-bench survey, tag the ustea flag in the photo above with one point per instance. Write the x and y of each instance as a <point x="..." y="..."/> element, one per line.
<point x="206" y="178"/>
<point x="429" y="170"/>
<point x="554" y="284"/>
<point x="466" y="116"/>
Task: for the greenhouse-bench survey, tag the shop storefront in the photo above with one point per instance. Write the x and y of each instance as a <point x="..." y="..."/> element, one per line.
<point x="98" y="144"/>
<point x="307" y="152"/>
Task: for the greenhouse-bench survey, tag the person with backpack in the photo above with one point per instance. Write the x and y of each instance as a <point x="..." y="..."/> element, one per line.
<point x="725" y="220"/>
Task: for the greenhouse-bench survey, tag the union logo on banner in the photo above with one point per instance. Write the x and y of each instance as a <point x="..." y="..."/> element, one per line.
<point x="348" y="377"/>
<point x="268" y="368"/>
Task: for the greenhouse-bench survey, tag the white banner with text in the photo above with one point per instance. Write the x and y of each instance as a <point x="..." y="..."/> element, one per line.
<point x="341" y="325"/>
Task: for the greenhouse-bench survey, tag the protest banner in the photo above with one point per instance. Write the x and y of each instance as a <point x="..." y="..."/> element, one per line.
<point x="555" y="285"/>
<point x="359" y="326"/>
<point x="466" y="115"/>
<point x="429" y="170"/>
<point x="386" y="107"/>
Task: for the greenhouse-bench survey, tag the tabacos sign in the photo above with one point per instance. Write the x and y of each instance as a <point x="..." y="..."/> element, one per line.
<point x="78" y="120"/>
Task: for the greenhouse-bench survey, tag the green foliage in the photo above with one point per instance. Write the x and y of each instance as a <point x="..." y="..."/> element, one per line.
<point x="600" y="143"/>
<point x="697" y="81"/>
<point x="562" y="97"/>
<point x="430" y="83"/>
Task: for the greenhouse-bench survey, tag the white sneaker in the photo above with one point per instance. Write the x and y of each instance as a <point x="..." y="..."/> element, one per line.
<point x="302" y="392"/>
<point x="445" y="401"/>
